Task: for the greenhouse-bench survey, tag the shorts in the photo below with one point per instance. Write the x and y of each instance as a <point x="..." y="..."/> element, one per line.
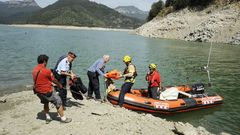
<point x="52" y="98"/>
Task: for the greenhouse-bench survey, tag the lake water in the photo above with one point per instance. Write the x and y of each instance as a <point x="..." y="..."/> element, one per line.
<point x="178" y="63"/>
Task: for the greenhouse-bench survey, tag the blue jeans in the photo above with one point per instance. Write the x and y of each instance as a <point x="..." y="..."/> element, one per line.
<point x="126" y="87"/>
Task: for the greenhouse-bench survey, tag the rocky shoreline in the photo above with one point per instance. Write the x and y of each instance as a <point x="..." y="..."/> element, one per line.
<point x="68" y="27"/>
<point x="214" y="24"/>
<point x="22" y="114"/>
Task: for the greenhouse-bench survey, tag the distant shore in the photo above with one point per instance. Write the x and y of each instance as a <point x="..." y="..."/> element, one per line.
<point x="68" y="27"/>
<point x="21" y="113"/>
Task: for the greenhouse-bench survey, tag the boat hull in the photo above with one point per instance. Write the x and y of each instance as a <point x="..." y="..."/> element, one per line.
<point x="136" y="101"/>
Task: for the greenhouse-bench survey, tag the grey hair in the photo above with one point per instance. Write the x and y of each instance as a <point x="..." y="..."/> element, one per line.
<point x="106" y="56"/>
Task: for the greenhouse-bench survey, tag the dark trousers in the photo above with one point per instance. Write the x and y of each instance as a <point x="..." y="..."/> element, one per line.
<point x="126" y="87"/>
<point x="153" y="92"/>
<point x="63" y="91"/>
<point x="93" y="85"/>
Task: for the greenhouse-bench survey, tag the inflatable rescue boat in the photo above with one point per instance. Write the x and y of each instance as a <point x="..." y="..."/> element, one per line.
<point x="171" y="100"/>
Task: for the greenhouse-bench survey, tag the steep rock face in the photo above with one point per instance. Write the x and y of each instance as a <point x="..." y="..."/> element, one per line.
<point x="14" y="11"/>
<point x="220" y="26"/>
<point x="24" y="3"/>
<point x="132" y="11"/>
<point x="213" y="24"/>
<point x="235" y="39"/>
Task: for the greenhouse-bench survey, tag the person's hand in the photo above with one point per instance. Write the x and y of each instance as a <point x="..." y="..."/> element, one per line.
<point x="73" y="76"/>
<point x="121" y="76"/>
<point x="105" y="75"/>
<point x="60" y="86"/>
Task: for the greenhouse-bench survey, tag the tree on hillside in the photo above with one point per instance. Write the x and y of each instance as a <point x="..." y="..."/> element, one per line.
<point x="180" y="4"/>
<point x="155" y="9"/>
<point x="199" y="3"/>
<point x="168" y="3"/>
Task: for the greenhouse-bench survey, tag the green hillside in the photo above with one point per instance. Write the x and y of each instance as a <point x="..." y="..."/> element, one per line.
<point x="82" y="13"/>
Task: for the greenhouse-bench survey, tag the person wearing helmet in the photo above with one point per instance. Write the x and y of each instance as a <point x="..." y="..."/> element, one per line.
<point x="130" y="74"/>
<point x="154" y="81"/>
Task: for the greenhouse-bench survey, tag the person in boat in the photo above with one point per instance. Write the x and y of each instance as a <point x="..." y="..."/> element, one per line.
<point x="130" y="73"/>
<point x="43" y="79"/>
<point x="94" y="71"/>
<point x="63" y="69"/>
<point x="154" y="81"/>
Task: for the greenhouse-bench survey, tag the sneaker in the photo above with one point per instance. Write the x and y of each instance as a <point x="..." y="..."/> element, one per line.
<point x="48" y="121"/>
<point x="99" y="100"/>
<point x="67" y="120"/>
<point x="117" y="106"/>
<point x="66" y="105"/>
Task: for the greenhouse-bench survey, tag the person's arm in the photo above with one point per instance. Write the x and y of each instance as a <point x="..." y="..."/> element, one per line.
<point x="55" y="81"/>
<point x="160" y="82"/>
<point x="64" y="71"/>
<point x="59" y="85"/>
<point x="146" y="77"/>
<point x="160" y="85"/>
<point x="99" y="66"/>
<point x="131" y="71"/>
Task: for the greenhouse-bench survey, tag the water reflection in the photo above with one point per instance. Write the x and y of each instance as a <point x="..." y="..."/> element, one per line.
<point x="178" y="63"/>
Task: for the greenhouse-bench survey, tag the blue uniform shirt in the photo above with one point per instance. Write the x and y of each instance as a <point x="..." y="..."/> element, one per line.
<point x="98" y="66"/>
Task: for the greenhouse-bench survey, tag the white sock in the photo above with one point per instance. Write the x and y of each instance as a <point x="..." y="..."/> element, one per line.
<point x="48" y="116"/>
<point x="63" y="118"/>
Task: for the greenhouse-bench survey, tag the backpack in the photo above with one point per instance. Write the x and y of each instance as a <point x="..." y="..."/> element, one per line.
<point x="77" y="88"/>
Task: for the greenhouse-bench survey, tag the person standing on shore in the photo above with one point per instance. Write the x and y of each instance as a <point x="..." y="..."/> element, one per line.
<point x="63" y="69"/>
<point x="130" y="73"/>
<point x="154" y="81"/>
<point x="43" y="79"/>
<point x="93" y="75"/>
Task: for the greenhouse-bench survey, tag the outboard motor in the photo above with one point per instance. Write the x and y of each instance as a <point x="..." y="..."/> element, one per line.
<point x="198" y="88"/>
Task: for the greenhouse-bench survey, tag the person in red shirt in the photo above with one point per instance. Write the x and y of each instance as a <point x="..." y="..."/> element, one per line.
<point x="154" y="81"/>
<point x="43" y="79"/>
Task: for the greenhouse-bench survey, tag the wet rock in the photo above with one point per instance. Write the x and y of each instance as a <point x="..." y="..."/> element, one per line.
<point x="184" y="129"/>
<point x="3" y="101"/>
<point x="223" y="133"/>
<point x="235" y="39"/>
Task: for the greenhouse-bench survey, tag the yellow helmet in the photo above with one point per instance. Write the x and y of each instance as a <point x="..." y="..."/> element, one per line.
<point x="127" y="58"/>
<point x="152" y="66"/>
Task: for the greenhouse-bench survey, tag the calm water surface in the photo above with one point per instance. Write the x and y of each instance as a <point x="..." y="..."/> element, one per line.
<point x="178" y="64"/>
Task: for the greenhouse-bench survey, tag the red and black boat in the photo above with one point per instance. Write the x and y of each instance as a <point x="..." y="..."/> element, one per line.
<point x="138" y="100"/>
